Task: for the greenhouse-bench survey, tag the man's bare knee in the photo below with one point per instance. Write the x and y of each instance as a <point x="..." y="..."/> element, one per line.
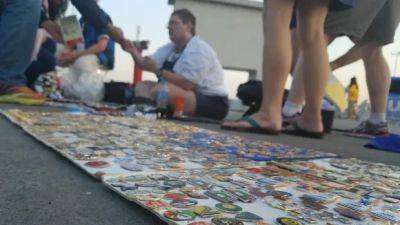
<point x="140" y="87"/>
<point x="309" y="39"/>
<point x="371" y="52"/>
<point x="143" y="89"/>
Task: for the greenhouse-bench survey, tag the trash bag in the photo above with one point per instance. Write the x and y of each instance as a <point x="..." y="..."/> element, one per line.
<point x="83" y="80"/>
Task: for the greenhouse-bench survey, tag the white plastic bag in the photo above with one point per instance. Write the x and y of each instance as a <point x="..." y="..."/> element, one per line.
<point x="83" y="80"/>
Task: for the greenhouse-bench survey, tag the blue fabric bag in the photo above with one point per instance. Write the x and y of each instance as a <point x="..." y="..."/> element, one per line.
<point x="389" y="143"/>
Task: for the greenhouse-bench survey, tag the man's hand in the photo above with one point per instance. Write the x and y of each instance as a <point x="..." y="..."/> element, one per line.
<point x="53" y="29"/>
<point x="117" y="35"/>
<point x="150" y="65"/>
<point x="67" y="58"/>
<point x="145" y="63"/>
<point x="128" y="46"/>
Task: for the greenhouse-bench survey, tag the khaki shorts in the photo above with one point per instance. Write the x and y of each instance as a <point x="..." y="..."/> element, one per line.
<point x="368" y="21"/>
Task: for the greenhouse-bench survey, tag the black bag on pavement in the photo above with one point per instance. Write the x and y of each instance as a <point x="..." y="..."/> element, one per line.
<point x="118" y="92"/>
<point x="250" y="93"/>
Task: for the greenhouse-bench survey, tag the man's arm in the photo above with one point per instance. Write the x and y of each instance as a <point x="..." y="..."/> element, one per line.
<point x="99" y="47"/>
<point x="95" y="16"/>
<point x="43" y="16"/>
<point x="178" y="80"/>
<point x="353" y="55"/>
<point x="52" y="28"/>
<point x="148" y="64"/>
<point x="92" y="13"/>
<point x="143" y="62"/>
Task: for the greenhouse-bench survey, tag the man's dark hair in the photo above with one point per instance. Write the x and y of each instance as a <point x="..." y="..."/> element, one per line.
<point x="353" y="81"/>
<point x="187" y="17"/>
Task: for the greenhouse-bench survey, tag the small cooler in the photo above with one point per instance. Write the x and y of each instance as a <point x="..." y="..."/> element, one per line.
<point x="393" y="107"/>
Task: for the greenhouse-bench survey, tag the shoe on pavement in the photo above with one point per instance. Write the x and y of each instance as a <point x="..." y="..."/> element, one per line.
<point x="369" y="130"/>
<point x="289" y="120"/>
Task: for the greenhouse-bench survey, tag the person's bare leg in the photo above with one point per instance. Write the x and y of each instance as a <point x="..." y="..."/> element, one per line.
<point x="277" y="60"/>
<point x="276" y="63"/>
<point x="295" y="50"/>
<point x="296" y="94"/>
<point x="315" y="61"/>
<point x="176" y="91"/>
<point x="296" y="98"/>
<point x="378" y="78"/>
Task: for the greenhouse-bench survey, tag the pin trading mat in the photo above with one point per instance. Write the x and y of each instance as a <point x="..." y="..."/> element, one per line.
<point x="157" y="145"/>
<point x="332" y="181"/>
<point x="118" y="139"/>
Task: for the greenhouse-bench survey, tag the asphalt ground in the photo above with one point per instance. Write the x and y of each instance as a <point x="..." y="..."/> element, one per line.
<point x="38" y="186"/>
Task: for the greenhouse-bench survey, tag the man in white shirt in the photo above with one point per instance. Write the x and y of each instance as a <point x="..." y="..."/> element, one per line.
<point x="191" y="68"/>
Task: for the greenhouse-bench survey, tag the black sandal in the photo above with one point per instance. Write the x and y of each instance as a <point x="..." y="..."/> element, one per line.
<point x="296" y="130"/>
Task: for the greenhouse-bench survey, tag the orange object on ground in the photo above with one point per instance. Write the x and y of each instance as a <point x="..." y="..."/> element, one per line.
<point x="179" y="103"/>
<point x="137" y="72"/>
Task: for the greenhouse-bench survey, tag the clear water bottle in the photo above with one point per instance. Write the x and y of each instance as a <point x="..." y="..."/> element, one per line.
<point x="162" y="97"/>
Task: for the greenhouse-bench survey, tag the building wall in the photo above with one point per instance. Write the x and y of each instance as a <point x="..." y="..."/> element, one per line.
<point x="233" y="28"/>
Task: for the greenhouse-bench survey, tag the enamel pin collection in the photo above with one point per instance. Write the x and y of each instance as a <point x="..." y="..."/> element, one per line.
<point x="188" y="175"/>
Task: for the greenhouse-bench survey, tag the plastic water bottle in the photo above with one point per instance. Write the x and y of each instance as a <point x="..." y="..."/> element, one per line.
<point x="162" y="97"/>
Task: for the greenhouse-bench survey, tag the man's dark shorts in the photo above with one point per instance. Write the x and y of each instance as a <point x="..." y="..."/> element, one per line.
<point x="369" y="21"/>
<point x="212" y="107"/>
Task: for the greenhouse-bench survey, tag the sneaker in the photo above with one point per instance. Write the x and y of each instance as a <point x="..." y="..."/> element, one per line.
<point x="289" y="120"/>
<point x="20" y="95"/>
<point x="369" y="130"/>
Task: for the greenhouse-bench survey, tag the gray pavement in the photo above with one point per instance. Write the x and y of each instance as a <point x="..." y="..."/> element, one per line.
<point x="38" y="186"/>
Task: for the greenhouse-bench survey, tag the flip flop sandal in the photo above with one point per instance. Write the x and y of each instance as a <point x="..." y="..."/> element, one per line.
<point x="296" y="130"/>
<point x="255" y="127"/>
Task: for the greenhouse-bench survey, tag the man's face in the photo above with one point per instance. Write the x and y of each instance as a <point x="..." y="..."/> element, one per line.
<point x="177" y="29"/>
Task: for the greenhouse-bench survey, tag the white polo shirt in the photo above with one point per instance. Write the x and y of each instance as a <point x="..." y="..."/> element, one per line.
<point x="199" y="64"/>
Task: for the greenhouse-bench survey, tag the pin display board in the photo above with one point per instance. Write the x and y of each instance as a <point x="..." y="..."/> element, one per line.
<point x="188" y="175"/>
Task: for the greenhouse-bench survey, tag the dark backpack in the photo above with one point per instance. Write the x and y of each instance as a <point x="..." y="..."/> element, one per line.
<point x="250" y="93"/>
<point x="123" y="93"/>
<point x="118" y="92"/>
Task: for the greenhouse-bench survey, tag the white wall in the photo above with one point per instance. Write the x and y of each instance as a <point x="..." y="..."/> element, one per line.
<point x="233" y="28"/>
